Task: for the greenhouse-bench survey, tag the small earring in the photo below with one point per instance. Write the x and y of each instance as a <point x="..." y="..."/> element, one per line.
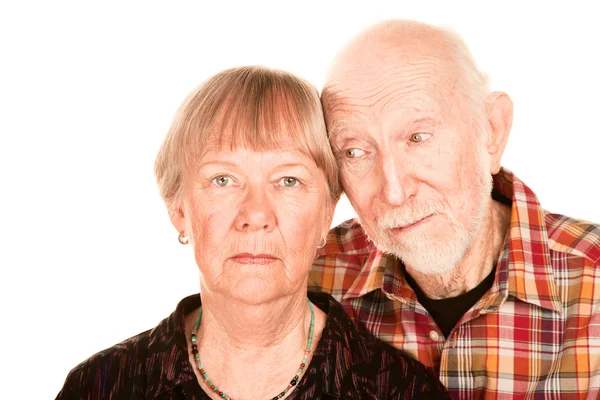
<point x="322" y="243"/>
<point x="183" y="239"/>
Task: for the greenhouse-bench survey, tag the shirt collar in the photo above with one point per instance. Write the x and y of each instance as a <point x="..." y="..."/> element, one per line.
<point x="381" y="271"/>
<point x="167" y="351"/>
<point x="523" y="271"/>
<point x="370" y="276"/>
<point x="525" y="266"/>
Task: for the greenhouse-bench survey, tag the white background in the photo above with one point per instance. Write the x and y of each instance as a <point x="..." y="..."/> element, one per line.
<point x="87" y="91"/>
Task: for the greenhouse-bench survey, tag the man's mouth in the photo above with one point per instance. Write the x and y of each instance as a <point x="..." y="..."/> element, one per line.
<point x="412" y="224"/>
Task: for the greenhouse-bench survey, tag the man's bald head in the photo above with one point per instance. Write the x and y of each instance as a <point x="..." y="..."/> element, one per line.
<point x="381" y="47"/>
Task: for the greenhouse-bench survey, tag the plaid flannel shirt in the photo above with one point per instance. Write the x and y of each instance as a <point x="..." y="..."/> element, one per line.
<point x="534" y="334"/>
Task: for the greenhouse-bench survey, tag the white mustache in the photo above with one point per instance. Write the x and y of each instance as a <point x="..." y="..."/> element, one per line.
<point x="407" y="215"/>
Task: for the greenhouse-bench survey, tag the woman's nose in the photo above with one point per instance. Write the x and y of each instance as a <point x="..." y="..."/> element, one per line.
<point x="256" y="211"/>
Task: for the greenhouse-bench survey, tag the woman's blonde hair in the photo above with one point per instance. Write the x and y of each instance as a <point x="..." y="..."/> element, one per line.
<point x="254" y="107"/>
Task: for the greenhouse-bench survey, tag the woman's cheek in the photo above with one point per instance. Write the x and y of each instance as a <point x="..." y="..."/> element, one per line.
<point x="206" y="216"/>
<point x="301" y="221"/>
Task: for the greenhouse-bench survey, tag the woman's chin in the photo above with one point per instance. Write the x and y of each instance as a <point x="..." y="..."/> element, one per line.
<point x="255" y="291"/>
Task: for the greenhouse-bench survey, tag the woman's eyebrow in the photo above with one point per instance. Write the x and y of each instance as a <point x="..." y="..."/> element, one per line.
<point x="218" y="162"/>
<point x="294" y="165"/>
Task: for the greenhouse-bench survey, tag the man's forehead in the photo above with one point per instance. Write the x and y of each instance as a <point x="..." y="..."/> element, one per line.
<point x="353" y="106"/>
<point x="398" y="68"/>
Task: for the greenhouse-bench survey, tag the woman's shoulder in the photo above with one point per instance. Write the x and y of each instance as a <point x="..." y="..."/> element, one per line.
<point x="146" y="363"/>
<point x="109" y="370"/>
<point x="396" y="374"/>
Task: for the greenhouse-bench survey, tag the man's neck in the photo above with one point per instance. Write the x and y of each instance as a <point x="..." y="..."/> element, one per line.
<point x="477" y="263"/>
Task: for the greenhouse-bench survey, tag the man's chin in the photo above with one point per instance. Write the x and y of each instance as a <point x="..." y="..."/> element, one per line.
<point x="423" y="258"/>
<point x="430" y="269"/>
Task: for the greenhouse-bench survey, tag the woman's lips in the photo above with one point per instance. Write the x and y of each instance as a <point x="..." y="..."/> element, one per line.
<point x="259" y="259"/>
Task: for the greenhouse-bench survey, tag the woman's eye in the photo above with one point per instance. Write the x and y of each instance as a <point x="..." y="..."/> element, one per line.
<point x="289" y="181"/>
<point x="354" y="153"/>
<point x="419" y="137"/>
<point x="222" y="180"/>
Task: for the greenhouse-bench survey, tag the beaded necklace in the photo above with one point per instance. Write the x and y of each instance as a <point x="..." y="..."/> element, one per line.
<point x="292" y="383"/>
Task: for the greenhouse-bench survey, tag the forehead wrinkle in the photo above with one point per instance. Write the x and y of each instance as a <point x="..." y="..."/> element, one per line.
<point x="371" y="80"/>
<point x="418" y="98"/>
<point x="414" y="80"/>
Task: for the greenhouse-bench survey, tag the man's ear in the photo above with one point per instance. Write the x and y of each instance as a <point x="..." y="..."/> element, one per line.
<point x="177" y="216"/>
<point x="500" y="117"/>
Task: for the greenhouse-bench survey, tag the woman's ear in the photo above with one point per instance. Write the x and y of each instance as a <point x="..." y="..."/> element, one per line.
<point x="177" y="216"/>
<point x="500" y="117"/>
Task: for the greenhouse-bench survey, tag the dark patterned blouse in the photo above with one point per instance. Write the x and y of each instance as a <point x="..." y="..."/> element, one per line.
<point x="347" y="364"/>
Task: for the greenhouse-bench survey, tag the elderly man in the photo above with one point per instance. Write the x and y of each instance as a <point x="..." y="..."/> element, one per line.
<point x="453" y="259"/>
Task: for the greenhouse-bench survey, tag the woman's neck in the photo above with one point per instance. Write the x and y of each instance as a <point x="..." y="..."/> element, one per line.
<point x="253" y="349"/>
<point x="243" y="326"/>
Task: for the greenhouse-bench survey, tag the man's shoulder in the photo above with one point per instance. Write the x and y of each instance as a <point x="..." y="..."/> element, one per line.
<point x="573" y="237"/>
<point x="349" y="237"/>
<point x="345" y="256"/>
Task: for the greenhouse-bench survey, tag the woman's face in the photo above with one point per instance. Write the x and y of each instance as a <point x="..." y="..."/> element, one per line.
<point x="254" y="220"/>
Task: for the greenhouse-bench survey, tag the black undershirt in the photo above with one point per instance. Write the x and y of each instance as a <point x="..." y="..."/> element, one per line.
<point x="447" y="312"/>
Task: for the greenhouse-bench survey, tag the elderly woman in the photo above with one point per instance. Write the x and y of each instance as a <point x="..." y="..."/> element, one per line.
<point x="250" y="182"/>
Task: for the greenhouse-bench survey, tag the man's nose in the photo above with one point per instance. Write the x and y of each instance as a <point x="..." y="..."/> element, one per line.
<point x="398" y="181"/>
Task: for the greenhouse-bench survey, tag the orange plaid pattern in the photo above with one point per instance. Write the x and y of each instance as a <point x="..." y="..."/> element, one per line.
<point x="534" y="334"/>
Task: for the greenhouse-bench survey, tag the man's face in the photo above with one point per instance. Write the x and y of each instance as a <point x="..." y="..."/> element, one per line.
<point x="413" y="163"/>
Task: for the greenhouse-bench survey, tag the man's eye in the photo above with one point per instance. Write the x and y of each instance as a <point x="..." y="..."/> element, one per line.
<point x="354" y="153"/>
<point x="222" y="180"/>
<point x="419" y="137"/>
<point x="289" y="181"/>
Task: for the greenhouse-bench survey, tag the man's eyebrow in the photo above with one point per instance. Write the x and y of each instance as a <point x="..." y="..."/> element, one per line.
<point x="426" y="120"/>
<point x="337" y="126"/>
<point x="338" y="129"/>
<point x="340" y="136"/>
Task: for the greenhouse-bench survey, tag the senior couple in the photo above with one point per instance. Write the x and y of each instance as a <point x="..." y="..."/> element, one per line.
<point x="453" y="274"/>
